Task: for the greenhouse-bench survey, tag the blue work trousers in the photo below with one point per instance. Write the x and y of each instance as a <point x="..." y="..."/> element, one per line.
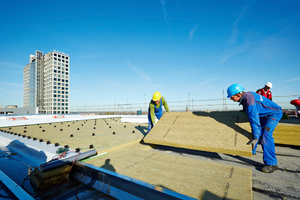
<point x="268" y="125"/>
<point x="158" y="113"/>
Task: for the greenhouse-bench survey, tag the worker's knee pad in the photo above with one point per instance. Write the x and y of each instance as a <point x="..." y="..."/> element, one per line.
<point x="265" y="135"/>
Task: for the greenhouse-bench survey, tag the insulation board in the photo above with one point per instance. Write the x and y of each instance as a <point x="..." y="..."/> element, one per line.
<point x="192" y="177"/>
<point x="221" y="132"/>
<point x="287" y="132"/>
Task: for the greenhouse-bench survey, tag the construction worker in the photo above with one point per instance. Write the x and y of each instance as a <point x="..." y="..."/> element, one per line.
<point x="265" y="91"/>
<point x="155" y="109"/>
<point x="263" y="115"/>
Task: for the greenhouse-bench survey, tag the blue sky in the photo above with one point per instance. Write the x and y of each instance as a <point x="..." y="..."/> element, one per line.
<point x="124" y="51"/>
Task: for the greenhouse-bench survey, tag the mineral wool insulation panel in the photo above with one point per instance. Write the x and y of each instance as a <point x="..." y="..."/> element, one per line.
<point x="222" y="132"/>
<point x="287" y="132"/>
<point x="192" y="177"/>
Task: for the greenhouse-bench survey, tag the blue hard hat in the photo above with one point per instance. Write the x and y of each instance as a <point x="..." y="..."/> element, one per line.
<point x="234" y="89"/>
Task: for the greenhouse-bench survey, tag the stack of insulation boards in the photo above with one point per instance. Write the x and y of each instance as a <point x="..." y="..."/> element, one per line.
<point x="287" y="132"/>
<point x="221" y="132"/>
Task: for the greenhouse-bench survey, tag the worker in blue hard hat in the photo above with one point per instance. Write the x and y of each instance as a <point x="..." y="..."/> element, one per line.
<point x="264" y="116"/>
<point x="155" y="109"/>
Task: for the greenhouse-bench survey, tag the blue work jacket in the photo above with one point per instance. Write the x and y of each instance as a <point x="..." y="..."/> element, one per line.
<point x="257" y="106"/>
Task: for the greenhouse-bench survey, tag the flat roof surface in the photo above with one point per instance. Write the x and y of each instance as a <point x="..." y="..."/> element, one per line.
<point x="156" y="163"/>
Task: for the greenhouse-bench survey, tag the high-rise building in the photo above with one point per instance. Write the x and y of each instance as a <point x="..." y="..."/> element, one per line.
<point x="29" y="84"/>
<point x="46" y="82"/>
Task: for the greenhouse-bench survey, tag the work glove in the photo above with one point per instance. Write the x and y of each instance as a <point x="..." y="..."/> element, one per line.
<point x="252" y="142"/>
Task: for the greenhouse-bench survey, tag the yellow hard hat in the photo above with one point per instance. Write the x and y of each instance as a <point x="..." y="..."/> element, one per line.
<point x="156" y="96"/>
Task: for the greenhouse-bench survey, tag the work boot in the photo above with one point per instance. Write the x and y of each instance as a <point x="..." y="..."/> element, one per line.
<point x="269" y="168"/>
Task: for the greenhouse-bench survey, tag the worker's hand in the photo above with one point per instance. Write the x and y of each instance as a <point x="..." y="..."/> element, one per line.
<point x="253" y="142"/>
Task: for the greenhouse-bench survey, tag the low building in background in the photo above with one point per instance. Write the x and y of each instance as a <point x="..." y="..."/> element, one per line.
<point x="14" y="110"/>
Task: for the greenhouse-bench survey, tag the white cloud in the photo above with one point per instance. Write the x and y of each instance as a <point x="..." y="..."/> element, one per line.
<point x="294" y="18"/>
<point x="6" y="84"/>
<point x="293" y="79"/>
<point x="205" y="84"/>
<point x="138" y="71"/>
<point x="242" y="13"/>
<point x="152" y="85"/>
<point x="88" y="56"/>
<point x="133" y="88"/>
<point x="234" y="35"/>
<point x="235" y="30"/>
<point x="234" y="51"/>
<point x="11" y="92"/>
<point x="163" y="2"/>
<point x="272" y="46"/>
<point x="9" y="65"/>
<point x="268" y="48"/>
<point x="191" y="34"/>
<point x="11" y="89"/>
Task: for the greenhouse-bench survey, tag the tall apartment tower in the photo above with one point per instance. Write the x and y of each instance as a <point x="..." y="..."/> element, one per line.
<point x="46" y="82"/>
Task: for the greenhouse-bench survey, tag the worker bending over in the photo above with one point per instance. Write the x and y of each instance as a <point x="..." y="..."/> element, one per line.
<point x="265" y="91"/>
<point x="155" y="109"/>
<point x="264" y="116"/>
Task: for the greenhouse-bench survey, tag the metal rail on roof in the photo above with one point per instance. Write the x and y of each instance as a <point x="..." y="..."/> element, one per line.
<point x="14" y="188"/>
<point x="120" y="186"/>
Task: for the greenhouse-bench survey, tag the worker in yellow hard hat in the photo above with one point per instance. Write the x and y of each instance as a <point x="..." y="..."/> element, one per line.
<point x="155" y="109"/>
